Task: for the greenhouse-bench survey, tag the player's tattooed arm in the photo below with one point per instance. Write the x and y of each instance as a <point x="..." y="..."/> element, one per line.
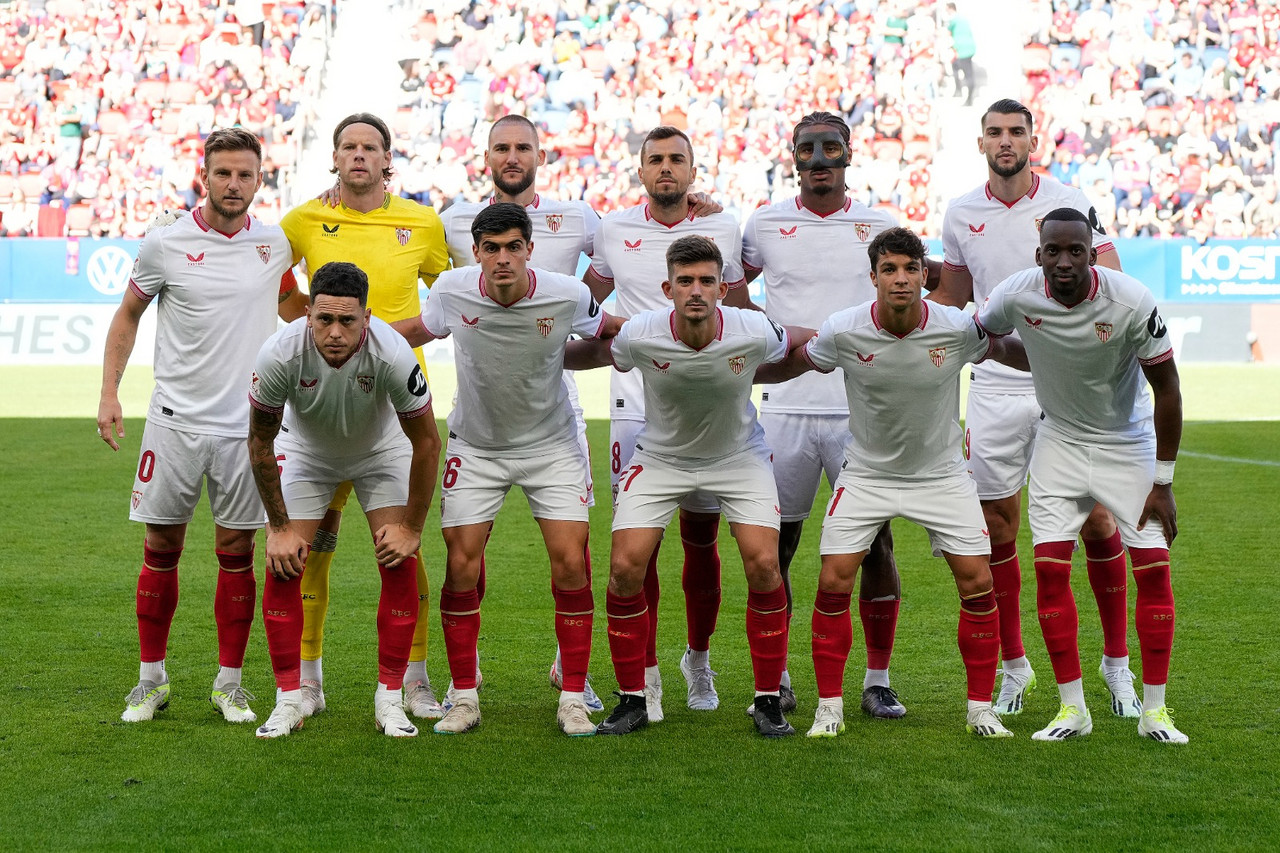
<point x="121" y="336"/>
<point x="286" y="551"/>
<point x="1166" y="388"/>
<point x="588" y="354"/>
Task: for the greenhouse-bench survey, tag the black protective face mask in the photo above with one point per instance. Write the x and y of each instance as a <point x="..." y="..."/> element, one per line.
<point x="822" y="149"/>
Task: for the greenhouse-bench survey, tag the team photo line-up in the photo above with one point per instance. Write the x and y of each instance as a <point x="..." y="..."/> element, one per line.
<point x="860" y="350"/>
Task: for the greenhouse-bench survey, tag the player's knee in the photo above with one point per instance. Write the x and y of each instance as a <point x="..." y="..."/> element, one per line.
<point x="762" y="570"/>
<point x="1002" y="517"/>
<point x="461" y="572"/>
<point x="165" y="537"/>
<point x="1100" y="524"/>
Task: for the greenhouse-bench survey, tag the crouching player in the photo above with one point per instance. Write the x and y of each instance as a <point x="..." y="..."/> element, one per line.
<point x="700" y="434"/>
<point x="902" y="359"/>
<point x="359" y="409"/>
<point x="1092" y="336"/>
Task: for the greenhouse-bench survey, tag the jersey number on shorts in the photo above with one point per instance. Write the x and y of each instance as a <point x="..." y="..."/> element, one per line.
<point x="451" y="467"/>
<point x="835" y="499"/>
<point x="146" y="466"/>
<point x="629" y="476"/>
<point x="616" y="458"/>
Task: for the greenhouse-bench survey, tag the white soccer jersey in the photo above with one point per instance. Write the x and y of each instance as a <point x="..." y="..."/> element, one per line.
<point x="563" y="231"/>
<point x="994" y="240"/>
<point x="219" y="295"/>
<point x="631" y="252"/>
<point x="340" y="412"/>
<point x="1085" y="359"/>
<point x="904" y="393"/>
<point x="698" y="401"/>
<point x="511" y="397"/>
<point x="813" y="266"/>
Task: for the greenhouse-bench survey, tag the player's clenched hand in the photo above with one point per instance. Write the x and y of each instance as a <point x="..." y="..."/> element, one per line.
<point x="1160" y="503"/>
<point x="395" y="543"/>
<point x="110" y="422"/>
<point x="286" y="552"/>
<point x="331" y="197"/>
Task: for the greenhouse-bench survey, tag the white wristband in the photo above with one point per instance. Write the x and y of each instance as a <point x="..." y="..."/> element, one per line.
<point x="1164" y="472"/>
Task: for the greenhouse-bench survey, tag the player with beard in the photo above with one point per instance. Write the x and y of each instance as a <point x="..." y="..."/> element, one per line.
<point x="988" y="234"/>
<point x="222" y="276"/>
<point x="630" y="261"/>
<point x="1095" y="340"/>
<point x="797" y="244"/>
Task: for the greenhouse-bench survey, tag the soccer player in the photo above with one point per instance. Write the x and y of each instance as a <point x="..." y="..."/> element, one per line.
<point x="902" y="361"/>
<point x="512" y="426"/>
<point x="988" y="234"/>
<point x="397" y="243"/>
<point x="359" y="410"/>
<point x="812" y="250"/>
<point x="700" y="434"/>
<point x="563" y="231"/>
<point x="222" y="277"/>
<point x="630" y="261"/>
<point x="1092" y="335"/>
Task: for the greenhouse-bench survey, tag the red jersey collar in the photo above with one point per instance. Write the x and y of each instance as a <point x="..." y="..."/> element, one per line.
<point x="1031" y="193"/>
<point x="848" y="203"/>
<point x="671" y="318"/>
<point x="198" y="216"/>
<point x="649" y="217"/>
<point x="924" y="320"/>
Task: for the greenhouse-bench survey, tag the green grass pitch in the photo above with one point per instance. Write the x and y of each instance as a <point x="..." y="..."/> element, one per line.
<point x="74" y="776"/>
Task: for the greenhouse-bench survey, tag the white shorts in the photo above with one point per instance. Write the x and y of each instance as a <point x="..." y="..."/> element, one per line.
<point x="571" y="385"/>
<point x="999" y="431"/>
<point x="804" y="447"/>
<point x="622" y="446"/>
<point x="947" y="508"/>
<point x="652" y="489"/>
<point x="174" y="464"/>
<point x="475" y="483"/>
<point x="308" y="482"/>
<point x="1068" y="479"/>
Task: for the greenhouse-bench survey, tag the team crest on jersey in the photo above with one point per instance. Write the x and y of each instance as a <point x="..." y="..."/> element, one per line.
<point x="403" y="235"/>
<point x="136" y="498"/>
<point x="365" y="382"/>
<point x="545" y="324"/>
<point x="1103" y="331"/>
<point x="264" y="253"/>
<point x="863" y="230"/>
<point x="554" y="221"/>
<point x="737" y="363"/>
<point x="1039" y="222"/>
<point x="938" y="355"/>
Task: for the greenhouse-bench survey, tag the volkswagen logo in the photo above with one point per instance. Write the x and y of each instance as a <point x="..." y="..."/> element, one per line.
<point x="109" y="270"/>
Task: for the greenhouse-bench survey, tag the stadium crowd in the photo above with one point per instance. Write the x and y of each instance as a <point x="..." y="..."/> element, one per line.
<point x="106" y="104"/>
<point x="1163" y="112"/>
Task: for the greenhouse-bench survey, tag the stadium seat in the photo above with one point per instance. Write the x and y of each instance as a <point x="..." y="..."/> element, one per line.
<point x="151" y="92"/>
<point x="32" y="184"/>
<point x="79" y="220"/>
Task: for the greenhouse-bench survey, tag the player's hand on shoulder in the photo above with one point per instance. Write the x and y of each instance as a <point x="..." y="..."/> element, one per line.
<point x="701" y="204"/>
<point x="286" y="552"/>
<point x="1161" y="505"/>
<point x="331" y="197"/>
<point x="395" y="543"/>
<point x="164" y="218"/>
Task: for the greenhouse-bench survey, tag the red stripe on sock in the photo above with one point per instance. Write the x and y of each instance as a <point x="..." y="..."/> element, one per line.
<point x="767" y="637"/>
<point x="234" y="601"/>
<point x="832" y="639"/>
<point x="1006" y="580"/>
<point x="1109" y="580"/>
<point x="157" y="600"/>
<point x="701" y="579"/>
<point x="1154" y="615"/>
<point x="460" y="617"/>
<point x="1056" y="606"/>
<point x="879" y="625"/>
<point x="575" y="614"/>
<point x="978" y="636"/>
<point x="628" y="637"/>
<point x="397" y="618"/>
<point x="282" y="621"/>
<point x="651" y="595"/>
